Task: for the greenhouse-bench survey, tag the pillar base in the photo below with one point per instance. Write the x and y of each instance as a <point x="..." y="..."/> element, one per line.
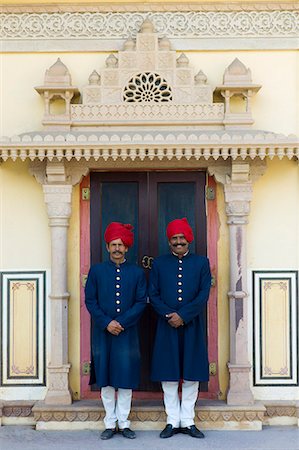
<point x="58" y="391"/>
<point x="239" y="392"/>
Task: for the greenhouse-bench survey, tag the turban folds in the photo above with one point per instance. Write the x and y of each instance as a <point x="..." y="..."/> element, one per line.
<point x="117" y="230"/>
<point x="180" y="226"/>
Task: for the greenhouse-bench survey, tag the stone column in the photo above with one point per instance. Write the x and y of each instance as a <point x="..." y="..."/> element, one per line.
<point x="238" y="194"/>
<point x="58" y="201"/>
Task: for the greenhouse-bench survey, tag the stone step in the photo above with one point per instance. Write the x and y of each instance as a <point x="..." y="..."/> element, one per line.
<point x="148" y="415"/>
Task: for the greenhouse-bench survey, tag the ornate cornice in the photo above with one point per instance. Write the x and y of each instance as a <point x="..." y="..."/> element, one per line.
<point x="149" y="145"/>
<point x="175" y="21"/>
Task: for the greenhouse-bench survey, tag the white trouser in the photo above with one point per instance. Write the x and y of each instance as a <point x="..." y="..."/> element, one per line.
<point x="180" y="414"/>
<point x="116" y="410"/>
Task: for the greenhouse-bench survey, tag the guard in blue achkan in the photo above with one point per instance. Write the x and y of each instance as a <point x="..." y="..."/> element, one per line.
<point x="179" y="290"/>
<point x="115" y="296"/>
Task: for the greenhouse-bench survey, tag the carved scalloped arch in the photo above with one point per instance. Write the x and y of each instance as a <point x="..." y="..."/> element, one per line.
<point x="147" y="87"/>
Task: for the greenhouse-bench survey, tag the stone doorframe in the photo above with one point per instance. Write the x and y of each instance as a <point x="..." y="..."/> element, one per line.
<point x="237" y="178"/>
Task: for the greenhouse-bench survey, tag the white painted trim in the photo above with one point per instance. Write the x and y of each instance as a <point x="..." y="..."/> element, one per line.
<point x="24" y="393"/>
<point x="183" y="44"/>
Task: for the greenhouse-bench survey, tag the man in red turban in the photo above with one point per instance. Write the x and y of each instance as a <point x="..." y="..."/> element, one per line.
<point x="179" y="290"/>
<point x="117" y="230"/>
<point x="180" y="226"/>
<point x="115" y="296"/>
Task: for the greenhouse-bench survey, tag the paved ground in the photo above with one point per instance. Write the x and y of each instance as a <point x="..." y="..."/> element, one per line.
<point x="271" y="438"/>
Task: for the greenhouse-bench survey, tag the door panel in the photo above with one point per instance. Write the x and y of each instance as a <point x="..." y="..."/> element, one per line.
<point x="116" y="198"/>
<point x="147" y="200"/>
<point x="176" y="195"/>
<point x="174" y="200"/>
<point x="119" y="203"/>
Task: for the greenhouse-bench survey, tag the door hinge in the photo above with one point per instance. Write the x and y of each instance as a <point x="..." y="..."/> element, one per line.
<point x="212" y="368"/>
<point x="86" y="368"/>
<point x="83" y="279"/>
<point x="213" y="280"/>
<point x="210" y="193"/>
<point x="85" y="193"/>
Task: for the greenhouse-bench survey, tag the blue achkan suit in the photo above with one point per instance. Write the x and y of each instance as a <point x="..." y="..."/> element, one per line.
<point x="181" y="286"/>
<point x="118" y="293"/>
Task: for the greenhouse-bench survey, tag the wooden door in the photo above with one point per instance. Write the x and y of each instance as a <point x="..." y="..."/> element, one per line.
<point x="147" y="200"/>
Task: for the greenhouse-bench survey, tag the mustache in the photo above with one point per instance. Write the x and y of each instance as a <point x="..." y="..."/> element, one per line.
<point x="181" y="244"/>
<point x="117" y="252"/>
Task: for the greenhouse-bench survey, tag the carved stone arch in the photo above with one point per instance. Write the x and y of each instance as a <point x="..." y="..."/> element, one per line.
<point x="147" y="86"/>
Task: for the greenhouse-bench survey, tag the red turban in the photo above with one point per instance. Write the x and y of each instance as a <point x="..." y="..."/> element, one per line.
<point x="117" y="230"/>
<point x="180" y="226"/>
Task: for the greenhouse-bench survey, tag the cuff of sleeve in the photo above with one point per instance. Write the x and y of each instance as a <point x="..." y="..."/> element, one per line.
<point x="106" y="323"/>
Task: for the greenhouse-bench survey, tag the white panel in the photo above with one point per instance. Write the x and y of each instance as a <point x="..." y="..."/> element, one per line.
<point x="265" y="343"/>
<point x="7" y="332"/>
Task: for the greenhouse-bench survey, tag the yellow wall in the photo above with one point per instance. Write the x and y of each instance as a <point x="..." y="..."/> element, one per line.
<point x="74" y="289"/>
<point x="24" y="231"/>
<point x="273" y="223"/>
<point x="222" y="290"/>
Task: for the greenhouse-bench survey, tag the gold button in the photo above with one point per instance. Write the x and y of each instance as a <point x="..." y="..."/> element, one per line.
<point x="117" y="286"/>
<point x="118" y="278"/>
<point x="180" y="283"/>
<point x="117" y="302"/>
<point x="118" y="310"/>
<point x="180" y="291"/>
<point x="117" y="294"/>
<point x="180" y="275"/>
<point x="117" y="270"/>
<point x="180" y="299"/>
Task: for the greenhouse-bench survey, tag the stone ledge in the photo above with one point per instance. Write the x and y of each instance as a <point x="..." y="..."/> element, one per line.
<point x="89" y="415"/>
<point x="17" y="408"/>
<point x="149" y="415"/>
<point x="281" y="413"/>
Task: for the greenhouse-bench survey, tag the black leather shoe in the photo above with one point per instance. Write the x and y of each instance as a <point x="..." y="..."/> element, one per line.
<point x="108" y="433"/>
<point x="127" y="433"/>
<point x="168" y="431"/>
<point x="193" y="431"/>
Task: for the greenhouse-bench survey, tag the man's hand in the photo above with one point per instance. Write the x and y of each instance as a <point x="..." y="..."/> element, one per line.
<point x="115" y="327"/>
<point x="175" y="320"/>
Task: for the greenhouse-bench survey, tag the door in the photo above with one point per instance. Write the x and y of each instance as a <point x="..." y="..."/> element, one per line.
<point x="147" y="200"/>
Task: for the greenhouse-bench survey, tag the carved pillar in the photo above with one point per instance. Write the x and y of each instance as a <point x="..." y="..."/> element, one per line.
<point x="58" y="179"/>
<point x="238" y="194"/>
<point x="58" y="201"/>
